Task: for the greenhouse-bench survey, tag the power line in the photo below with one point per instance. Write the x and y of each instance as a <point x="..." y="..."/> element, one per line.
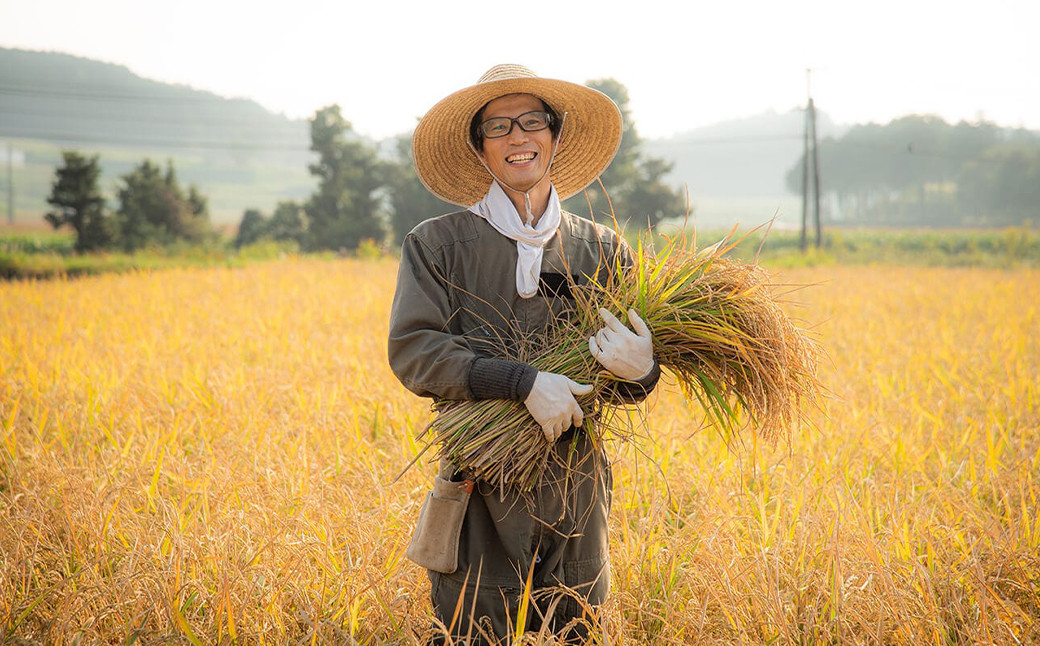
<point x="187" y="145"/>
<point x="912" y="150"/>
<point x="89" y="95"/>
<point x="734" y="139"/>
<point x="108" y="116"/>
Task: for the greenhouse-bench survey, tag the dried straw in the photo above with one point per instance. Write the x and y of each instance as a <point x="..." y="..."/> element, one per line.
<point x="718" y="328"/>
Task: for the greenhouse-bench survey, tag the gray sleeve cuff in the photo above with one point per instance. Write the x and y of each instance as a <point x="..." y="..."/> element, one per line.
<point x="501" y="379"/>
<point x="632" y="392"/>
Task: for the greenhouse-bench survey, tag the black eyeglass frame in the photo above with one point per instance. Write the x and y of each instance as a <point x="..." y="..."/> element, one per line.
<point x="516" y="120"/>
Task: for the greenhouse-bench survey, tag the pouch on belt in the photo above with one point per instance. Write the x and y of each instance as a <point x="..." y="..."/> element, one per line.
<point x="435" y="541"/>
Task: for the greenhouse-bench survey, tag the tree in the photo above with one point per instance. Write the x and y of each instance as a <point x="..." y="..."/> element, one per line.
<point x="153" y="209"/>
<point x="78" y="202"/>
<point x="143" y="215"/>
<point x="636" y="188"/>
<point x="649" y="200"/>
<point x="347" y="207"/>
<point x="288" y="223"/>
<point x="621" y="173"/>
<point x="1002" y="187"/>
<point x="251" y="229"/>
<point x="410" y="201"/>
<point x="198" y="226"/>
<point x="919" y="170"/>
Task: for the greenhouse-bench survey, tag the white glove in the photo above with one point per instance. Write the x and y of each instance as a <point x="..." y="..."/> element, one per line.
<point x="626" y="354"/>
<point x="552" y="404"/>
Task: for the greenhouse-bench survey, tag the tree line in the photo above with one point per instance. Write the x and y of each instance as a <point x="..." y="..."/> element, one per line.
<point x="921" y="171"/>
<point x="362" y="195"/>
<point x="153" y="208"/>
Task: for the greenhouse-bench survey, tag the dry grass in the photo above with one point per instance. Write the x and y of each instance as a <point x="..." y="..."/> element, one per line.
<point x="718" y="329"/>
<point x="205" y="456"/>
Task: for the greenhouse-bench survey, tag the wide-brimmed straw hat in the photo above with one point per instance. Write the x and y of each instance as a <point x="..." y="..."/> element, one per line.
<point x="449" y="168"/>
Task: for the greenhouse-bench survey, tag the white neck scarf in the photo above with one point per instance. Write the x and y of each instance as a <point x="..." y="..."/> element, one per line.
<point x="498" y="209"/>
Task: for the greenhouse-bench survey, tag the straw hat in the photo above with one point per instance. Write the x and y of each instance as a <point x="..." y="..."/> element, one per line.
<point x="448" y="166"/>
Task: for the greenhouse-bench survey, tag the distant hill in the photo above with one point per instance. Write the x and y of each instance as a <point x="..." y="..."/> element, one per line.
<point x="742" y="157"/>
<point x="243" y="156"/>
<point x="238" y="153"/>
<point x="734" y="170"/>
<point x="64" y="98"/>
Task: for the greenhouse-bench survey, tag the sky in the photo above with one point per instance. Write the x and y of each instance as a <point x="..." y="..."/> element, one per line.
<point x="686" y="64"/>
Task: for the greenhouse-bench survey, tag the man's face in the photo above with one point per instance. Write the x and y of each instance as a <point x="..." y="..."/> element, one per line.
<point x="519" y="158"/>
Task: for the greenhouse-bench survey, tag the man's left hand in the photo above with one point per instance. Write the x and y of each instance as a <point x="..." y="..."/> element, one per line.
<point x="627" y="354"/>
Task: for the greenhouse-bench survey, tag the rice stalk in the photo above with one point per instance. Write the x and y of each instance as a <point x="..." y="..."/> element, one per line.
<point x="717" y="327"/>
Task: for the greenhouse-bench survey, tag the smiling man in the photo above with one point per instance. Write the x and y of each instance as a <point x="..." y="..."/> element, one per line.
<point x="509" y="148"/>
<point x="516" y="137"/>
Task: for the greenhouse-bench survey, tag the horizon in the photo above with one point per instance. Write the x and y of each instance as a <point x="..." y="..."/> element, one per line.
<point x="684" y="67"/>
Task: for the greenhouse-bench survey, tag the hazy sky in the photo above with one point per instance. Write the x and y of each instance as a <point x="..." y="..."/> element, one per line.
<point x="686" y="64"/>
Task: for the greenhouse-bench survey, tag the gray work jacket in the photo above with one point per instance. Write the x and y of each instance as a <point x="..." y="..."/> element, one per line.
<point x="456" y="307"/>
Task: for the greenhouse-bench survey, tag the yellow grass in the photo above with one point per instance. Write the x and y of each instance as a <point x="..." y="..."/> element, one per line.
<point x="206" y="456"/>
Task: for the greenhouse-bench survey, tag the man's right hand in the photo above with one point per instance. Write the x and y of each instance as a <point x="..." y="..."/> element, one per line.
<point x="552" y="404"/>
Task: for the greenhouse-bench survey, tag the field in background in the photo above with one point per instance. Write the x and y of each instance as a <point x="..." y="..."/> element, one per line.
<point x="37" y="251"/>
<point x="207" y="455"/>
<point x="40" y="253"/>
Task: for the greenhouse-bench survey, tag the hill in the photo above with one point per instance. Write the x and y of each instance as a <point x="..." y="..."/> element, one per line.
<point x="735" y="169"/>
<point x="238" y="153"/>
<point x="242" y="156"/>
<point x="741" y="157"/>
<point x="64" y="98"/>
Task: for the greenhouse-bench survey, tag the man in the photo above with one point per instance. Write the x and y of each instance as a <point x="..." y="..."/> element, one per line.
<point x="509" y="149"/>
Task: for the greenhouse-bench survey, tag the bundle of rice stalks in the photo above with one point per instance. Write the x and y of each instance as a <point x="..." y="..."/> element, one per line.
<point x="717" y="327"/>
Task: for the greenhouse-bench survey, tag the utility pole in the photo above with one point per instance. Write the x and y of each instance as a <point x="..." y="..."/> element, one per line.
<point x="805" y="183"/>
<point x="10" y="184"/>
<point x="810" y="156"/>
<point x="816" y="175"/>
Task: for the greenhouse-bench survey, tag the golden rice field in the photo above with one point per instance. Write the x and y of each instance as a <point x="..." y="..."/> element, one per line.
<point x="208" y="456"/>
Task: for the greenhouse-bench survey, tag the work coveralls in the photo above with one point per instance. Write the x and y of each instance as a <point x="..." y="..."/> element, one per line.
<point x="456" y="294"/>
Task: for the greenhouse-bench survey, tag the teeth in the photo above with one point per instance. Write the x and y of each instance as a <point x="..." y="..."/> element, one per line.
<point x="521" y="157"/>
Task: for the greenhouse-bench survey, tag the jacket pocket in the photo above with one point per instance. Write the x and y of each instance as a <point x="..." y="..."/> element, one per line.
<point x="589" y="582"/>
<point x="435" y="541"/>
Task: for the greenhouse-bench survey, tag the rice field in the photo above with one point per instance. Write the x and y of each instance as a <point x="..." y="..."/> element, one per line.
<point x="210" y="456"/>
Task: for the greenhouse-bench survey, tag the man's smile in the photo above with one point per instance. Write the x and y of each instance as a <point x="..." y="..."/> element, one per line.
<point x="520" y="158"/>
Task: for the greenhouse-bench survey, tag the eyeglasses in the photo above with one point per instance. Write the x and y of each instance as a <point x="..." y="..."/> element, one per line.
<point x="529" y="122"/>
